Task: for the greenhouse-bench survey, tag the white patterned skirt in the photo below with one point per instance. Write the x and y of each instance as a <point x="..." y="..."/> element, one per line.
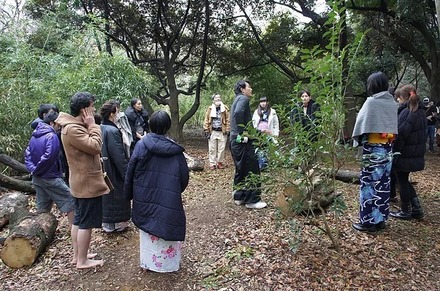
<point x="159" y="255"/>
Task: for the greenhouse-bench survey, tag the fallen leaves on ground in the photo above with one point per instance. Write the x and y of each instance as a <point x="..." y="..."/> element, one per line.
<point x="229" y="247"/>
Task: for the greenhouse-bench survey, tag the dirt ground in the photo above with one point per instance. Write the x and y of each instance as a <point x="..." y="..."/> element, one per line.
<point x="229" y="247"/>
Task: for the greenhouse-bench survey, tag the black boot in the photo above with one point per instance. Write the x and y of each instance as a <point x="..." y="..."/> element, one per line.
<point x="404" y="213"/>
<point x="417" y="211"/>
<point x="364" y="228"/>
<point x="369" y="228"/>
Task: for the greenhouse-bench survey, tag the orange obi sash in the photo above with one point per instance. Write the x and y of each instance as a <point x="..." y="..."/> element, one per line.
<point x="382" y="138"/>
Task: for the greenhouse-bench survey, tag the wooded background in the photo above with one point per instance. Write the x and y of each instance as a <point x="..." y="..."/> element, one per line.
<point x="176" y="54"/>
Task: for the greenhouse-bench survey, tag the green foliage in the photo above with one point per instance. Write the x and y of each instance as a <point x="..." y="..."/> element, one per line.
<point x="304" y="167"/>
<point x="33" y="75"/>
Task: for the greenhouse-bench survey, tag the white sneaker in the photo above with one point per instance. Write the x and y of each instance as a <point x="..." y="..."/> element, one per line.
<point x="121" y="226"/>
<point x="239" y="202"/>
<point x="257" y="205"/>
<point x="108" y="227"/>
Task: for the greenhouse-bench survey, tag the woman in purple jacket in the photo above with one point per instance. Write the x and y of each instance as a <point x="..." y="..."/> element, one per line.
<point x="157" y="174"/>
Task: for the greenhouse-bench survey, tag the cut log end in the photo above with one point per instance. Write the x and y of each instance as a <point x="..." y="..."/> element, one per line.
<point x="28" y="239"/>
<point x="18" y="252"/>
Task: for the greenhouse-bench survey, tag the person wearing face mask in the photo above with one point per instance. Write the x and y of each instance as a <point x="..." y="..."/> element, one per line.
<point x="265" y="120"/>
<point x="305" y="113"/>
<point x="116" y="210"/>
<point x="216" y="129"/>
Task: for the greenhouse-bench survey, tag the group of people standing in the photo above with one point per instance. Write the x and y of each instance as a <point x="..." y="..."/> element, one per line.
<point x="393" y="138"/>
<point x="88" y="148"/>
<point x="149" y="169"/>
<point x="249" y="159"/>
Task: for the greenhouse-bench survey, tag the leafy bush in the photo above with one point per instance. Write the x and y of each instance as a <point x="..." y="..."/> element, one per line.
<point x="31" y="76"/>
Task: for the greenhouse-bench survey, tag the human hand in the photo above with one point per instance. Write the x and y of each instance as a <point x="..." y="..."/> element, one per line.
<point x="88" y="116"/>
<point x="207" y="134"/>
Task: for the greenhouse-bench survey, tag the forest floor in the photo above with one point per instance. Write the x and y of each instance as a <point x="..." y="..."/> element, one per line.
<point x="229" y="247"/>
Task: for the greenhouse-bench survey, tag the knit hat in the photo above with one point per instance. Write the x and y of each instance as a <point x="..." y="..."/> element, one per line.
<point x="263" y="99"/>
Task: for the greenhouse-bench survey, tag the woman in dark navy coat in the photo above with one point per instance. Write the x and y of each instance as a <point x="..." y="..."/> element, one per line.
<point x="157" y="174"/>
<point x="116" y="210"/>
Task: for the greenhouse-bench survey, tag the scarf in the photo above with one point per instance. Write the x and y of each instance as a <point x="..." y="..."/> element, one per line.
<point x="377" y="115"/>
<point x="214" y="109"/>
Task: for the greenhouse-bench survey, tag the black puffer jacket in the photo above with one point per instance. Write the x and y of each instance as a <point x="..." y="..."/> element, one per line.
<point x="411" y="140"/>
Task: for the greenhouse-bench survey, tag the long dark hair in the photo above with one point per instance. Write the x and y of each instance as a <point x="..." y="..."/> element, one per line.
<point x="409" y="94"/>
<point x="260" y="110"/>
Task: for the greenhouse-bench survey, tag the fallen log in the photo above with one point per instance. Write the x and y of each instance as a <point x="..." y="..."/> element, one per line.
<point x="12" y="163"/>
<point x="348" y="176"/>
<point x="16" y="184"/>
<point x="194" y="164"/>
<point x="295" y="200"/>
<point x="11" y="203"/>
<point x="28" y="239"/>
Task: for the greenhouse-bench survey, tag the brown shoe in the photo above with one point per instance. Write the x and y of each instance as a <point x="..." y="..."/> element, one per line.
<point x="220" y="166"/>
<point x="212" y="167"/>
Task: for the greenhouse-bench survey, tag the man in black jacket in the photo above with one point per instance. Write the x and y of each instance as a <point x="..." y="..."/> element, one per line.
<point x="242" y="150"/>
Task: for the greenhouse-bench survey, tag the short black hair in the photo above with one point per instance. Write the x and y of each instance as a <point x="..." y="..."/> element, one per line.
<point x="45" y="108"/>
<point x="160" y="122"/>
<point x="377" y="82"/>
<point x="240" y="85"/>
<point x="50" y="116"/>
<point x="80" y="101"/>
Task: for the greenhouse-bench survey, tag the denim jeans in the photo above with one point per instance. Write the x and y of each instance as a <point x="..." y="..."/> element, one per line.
<point x="431" y="136"/>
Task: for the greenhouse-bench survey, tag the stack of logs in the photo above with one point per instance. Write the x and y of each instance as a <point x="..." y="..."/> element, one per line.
<point x="27" y="234"/>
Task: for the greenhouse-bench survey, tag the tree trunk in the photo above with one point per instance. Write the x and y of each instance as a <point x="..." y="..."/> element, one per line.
<point x="16" y="184"/>
<point x="435" y="81"/>
<point x="11" y="203"/>
<point x="28" y="239"/>
<point x="14" y="164"/>
<point x="437" y="8"/>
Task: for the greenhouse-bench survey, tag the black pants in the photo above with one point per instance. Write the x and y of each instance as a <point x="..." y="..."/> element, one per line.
<point x="246" y="162"/>
<point x="393" y="183"/>
<point x="407" y="191"/>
